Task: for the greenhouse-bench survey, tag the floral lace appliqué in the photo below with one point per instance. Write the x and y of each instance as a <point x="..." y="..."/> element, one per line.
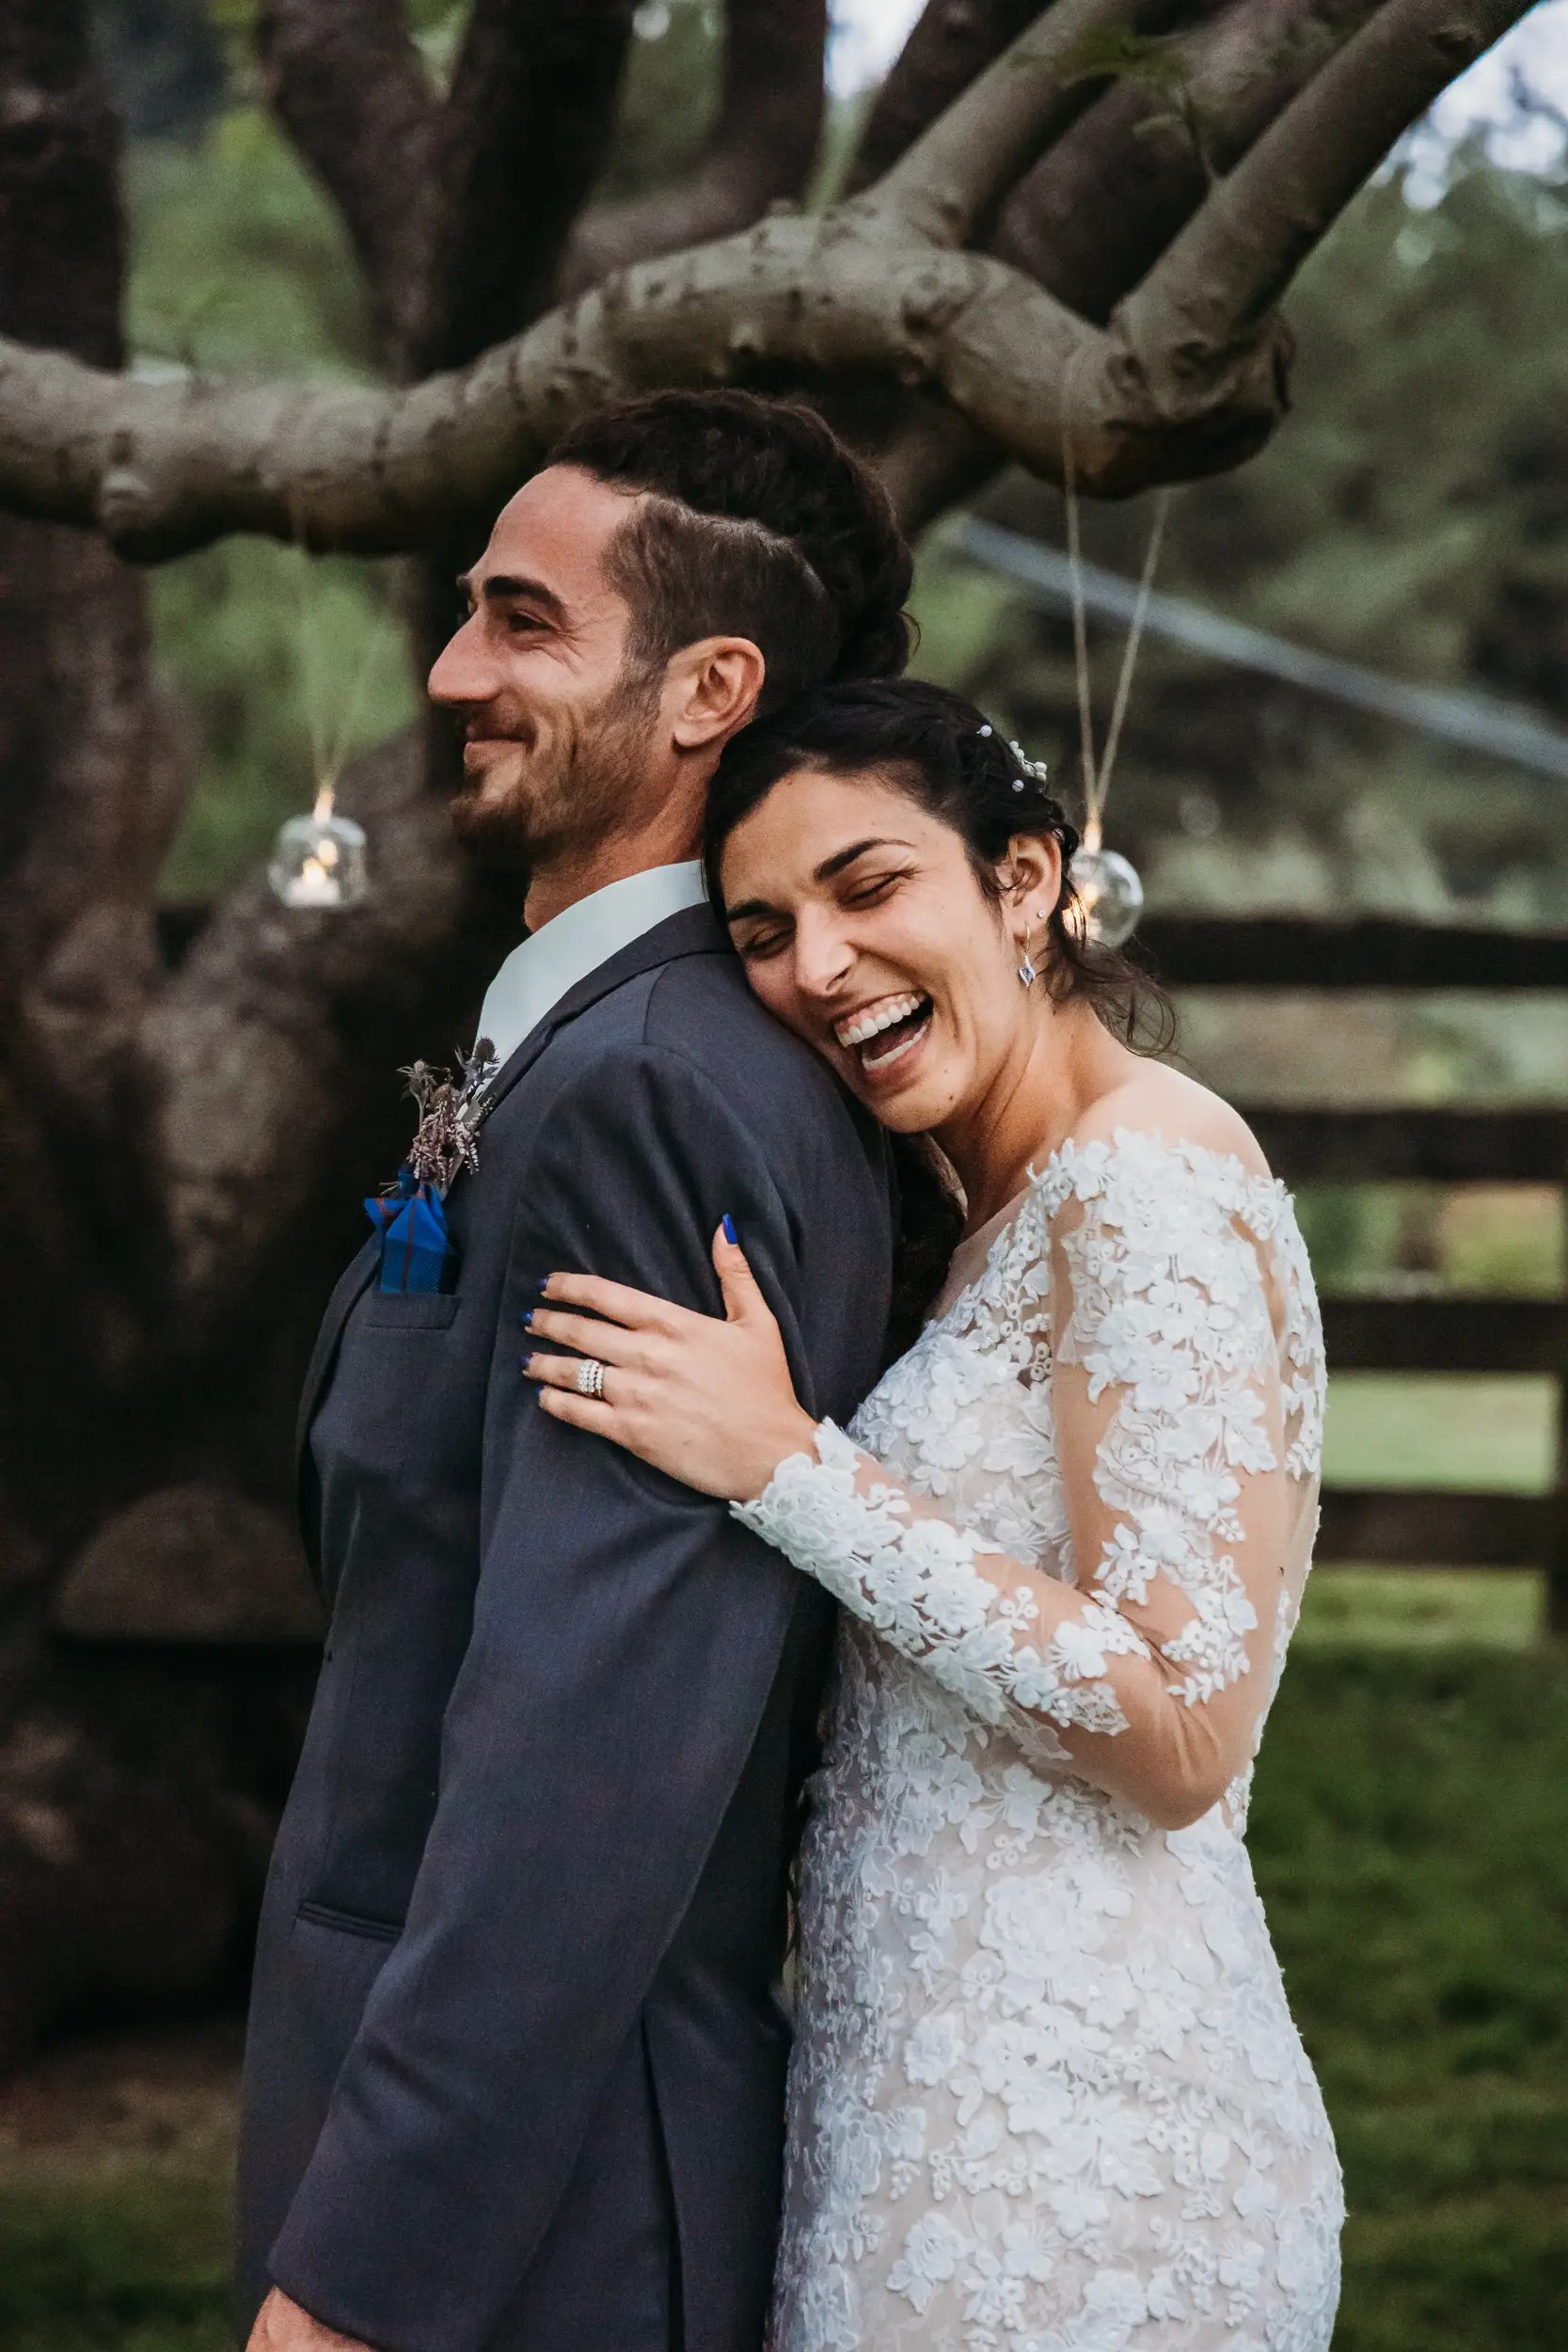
<point x="1046" y="2094"/>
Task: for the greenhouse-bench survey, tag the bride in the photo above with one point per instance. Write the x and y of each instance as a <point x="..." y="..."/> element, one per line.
<point x="1046" y="2094"/>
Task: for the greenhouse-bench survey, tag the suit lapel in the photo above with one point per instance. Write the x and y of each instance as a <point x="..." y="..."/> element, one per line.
<point x="692" y="933"/>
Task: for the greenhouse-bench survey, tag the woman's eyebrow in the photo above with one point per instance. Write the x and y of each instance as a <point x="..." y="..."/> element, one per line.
<point x="825" y="872"/>
<point x="841" y="858"/>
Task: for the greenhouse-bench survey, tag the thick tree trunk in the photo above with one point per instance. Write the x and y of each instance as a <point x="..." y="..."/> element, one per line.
<point x="132" y="1815"/>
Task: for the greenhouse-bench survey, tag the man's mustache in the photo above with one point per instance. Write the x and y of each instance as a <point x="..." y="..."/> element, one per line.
<point x="481" y="727"/>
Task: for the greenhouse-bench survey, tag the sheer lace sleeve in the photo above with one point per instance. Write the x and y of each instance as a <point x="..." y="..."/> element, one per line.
<point x="1156" y="1309"/>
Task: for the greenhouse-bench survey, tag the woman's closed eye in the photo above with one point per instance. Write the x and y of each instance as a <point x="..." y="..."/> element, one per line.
<point x="766" y="940"/>
<point x="869" y="890"/>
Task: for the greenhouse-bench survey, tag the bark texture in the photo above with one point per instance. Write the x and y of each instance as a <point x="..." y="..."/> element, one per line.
<point x="1077" y="218"/>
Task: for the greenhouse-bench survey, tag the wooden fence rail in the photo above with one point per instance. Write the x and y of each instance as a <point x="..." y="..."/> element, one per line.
<point x="1327" y="1144"/>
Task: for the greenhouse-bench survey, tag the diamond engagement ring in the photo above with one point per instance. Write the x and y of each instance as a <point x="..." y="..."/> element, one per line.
<point x="590" y="1376"/>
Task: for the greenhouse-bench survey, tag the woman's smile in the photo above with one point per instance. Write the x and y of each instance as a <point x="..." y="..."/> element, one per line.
<point x="883" y="1035"/>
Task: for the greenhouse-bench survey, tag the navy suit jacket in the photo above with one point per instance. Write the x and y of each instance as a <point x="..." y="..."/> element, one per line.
<point x="515" y="2071"/>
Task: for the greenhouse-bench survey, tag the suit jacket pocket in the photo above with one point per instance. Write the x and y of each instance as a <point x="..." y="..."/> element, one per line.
<point x="411" y="1311"/>
<point x="350" y="1922"/>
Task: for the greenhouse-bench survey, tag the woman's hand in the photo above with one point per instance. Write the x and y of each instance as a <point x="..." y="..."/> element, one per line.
<point x="710" y="1402"/>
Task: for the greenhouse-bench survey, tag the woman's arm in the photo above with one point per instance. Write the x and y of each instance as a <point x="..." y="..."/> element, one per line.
<point x="1150" y="1672"/>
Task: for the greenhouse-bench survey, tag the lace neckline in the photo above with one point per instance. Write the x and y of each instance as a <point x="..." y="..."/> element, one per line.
<point x="972" y="1253"/>
<point x="1259" y="1202"/>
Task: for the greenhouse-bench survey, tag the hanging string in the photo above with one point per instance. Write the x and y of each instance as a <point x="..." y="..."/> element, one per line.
<point x="328" y="755"/>
<point x="1097" y="774"/>
<point x="375" y="645"/>
<point x="1129" y="655"/>
<point x="1080" y="616"/>
<point x="297" y="547"/>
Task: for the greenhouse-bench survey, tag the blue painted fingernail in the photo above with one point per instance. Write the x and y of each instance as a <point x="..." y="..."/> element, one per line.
<point x="528" y="1317"/>
<point x="730" y="1233"/>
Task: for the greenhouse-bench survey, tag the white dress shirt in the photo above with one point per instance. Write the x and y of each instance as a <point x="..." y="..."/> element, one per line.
<point x="538" y="973"/>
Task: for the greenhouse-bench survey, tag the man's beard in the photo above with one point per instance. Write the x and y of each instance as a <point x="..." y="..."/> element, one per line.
<point x="576" y="800"/>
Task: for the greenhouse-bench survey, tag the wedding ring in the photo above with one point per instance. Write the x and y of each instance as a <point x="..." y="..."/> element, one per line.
<point x="590" y="1376"/>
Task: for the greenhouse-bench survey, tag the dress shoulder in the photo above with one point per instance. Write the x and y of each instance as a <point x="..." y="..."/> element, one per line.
<point x="1141" y="1175"/>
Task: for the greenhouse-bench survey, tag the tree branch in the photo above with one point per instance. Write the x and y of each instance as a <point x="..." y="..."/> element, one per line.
<point x="762" y="147"/>
<point x="523" y="135"/>
<point x="1187" y="377"/>
<point x="1163" y="150"/>
<point x="953" y="42"/>
<point x="1161" y="142"/>
<point x="347" y="84"/>
<point x="163" y="468"/>
<point x="948" y="179"/>
<point x="1224" y="272"/>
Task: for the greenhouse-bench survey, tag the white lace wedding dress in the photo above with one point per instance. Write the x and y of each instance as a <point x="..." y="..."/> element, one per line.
<point x="1047" y="2095"/>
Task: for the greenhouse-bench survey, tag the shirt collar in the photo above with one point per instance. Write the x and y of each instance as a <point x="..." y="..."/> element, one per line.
<point x="538" y="973"/>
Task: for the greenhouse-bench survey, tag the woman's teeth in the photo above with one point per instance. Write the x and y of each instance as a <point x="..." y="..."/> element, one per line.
<point x="862" y="1026"/>
<point x="861" y="1031"/>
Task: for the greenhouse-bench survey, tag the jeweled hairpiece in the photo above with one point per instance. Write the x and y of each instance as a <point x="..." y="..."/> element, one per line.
<point x="1032" y="768"/>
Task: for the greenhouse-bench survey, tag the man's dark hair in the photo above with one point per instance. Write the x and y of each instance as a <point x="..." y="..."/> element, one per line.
<point x="759" y="522"/>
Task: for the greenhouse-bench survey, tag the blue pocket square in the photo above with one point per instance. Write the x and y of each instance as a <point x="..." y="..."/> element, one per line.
<point x="416" y="1249"/>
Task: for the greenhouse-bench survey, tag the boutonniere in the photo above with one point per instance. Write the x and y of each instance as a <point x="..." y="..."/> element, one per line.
<point x="446" y="1140"/>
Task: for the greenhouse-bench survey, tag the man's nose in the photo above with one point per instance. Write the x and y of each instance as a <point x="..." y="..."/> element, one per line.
<point x="463" y="671"/>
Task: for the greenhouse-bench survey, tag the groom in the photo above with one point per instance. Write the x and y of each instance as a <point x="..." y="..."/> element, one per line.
<point x="515" y="2073"/>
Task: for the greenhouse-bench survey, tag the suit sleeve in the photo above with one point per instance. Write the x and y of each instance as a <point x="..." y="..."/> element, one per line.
<point x="626" y="1633"/>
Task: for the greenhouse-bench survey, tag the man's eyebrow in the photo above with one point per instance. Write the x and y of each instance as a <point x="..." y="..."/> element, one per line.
<point x="501" y="587"/>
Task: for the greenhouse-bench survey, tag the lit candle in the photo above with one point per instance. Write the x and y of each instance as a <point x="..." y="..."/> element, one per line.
<point x="313" y="886"/>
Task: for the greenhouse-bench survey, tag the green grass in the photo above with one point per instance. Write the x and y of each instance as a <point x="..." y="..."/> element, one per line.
<point x="1440" y="1429"/>
<point x="1410" y="1835"/>
<point x="1358" y="1608"/>
<point x="133" y="2261"/>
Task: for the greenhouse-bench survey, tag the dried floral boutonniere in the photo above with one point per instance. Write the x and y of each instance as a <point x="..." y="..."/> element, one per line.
<point x="447" y="1139"/>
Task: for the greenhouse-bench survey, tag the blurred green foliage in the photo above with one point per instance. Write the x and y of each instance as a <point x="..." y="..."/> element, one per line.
<point x="1484" y="1239"/>
<point x="1411" y="515"/>
<point x="241" y="265"/>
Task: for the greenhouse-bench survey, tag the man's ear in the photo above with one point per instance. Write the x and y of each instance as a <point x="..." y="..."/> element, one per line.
<point x="711" y="691"/>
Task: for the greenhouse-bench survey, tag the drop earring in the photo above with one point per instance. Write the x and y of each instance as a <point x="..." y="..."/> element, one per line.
<point x="1027" y="974"/>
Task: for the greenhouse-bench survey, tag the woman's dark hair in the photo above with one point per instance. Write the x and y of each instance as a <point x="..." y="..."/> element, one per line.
<point x="756" y="520"/>
<point x="942" y="751"/>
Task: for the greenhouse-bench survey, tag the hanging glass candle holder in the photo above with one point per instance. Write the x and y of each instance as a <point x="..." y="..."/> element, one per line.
<point x="1108" y="895"/>
<point x="319" y="860"/>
